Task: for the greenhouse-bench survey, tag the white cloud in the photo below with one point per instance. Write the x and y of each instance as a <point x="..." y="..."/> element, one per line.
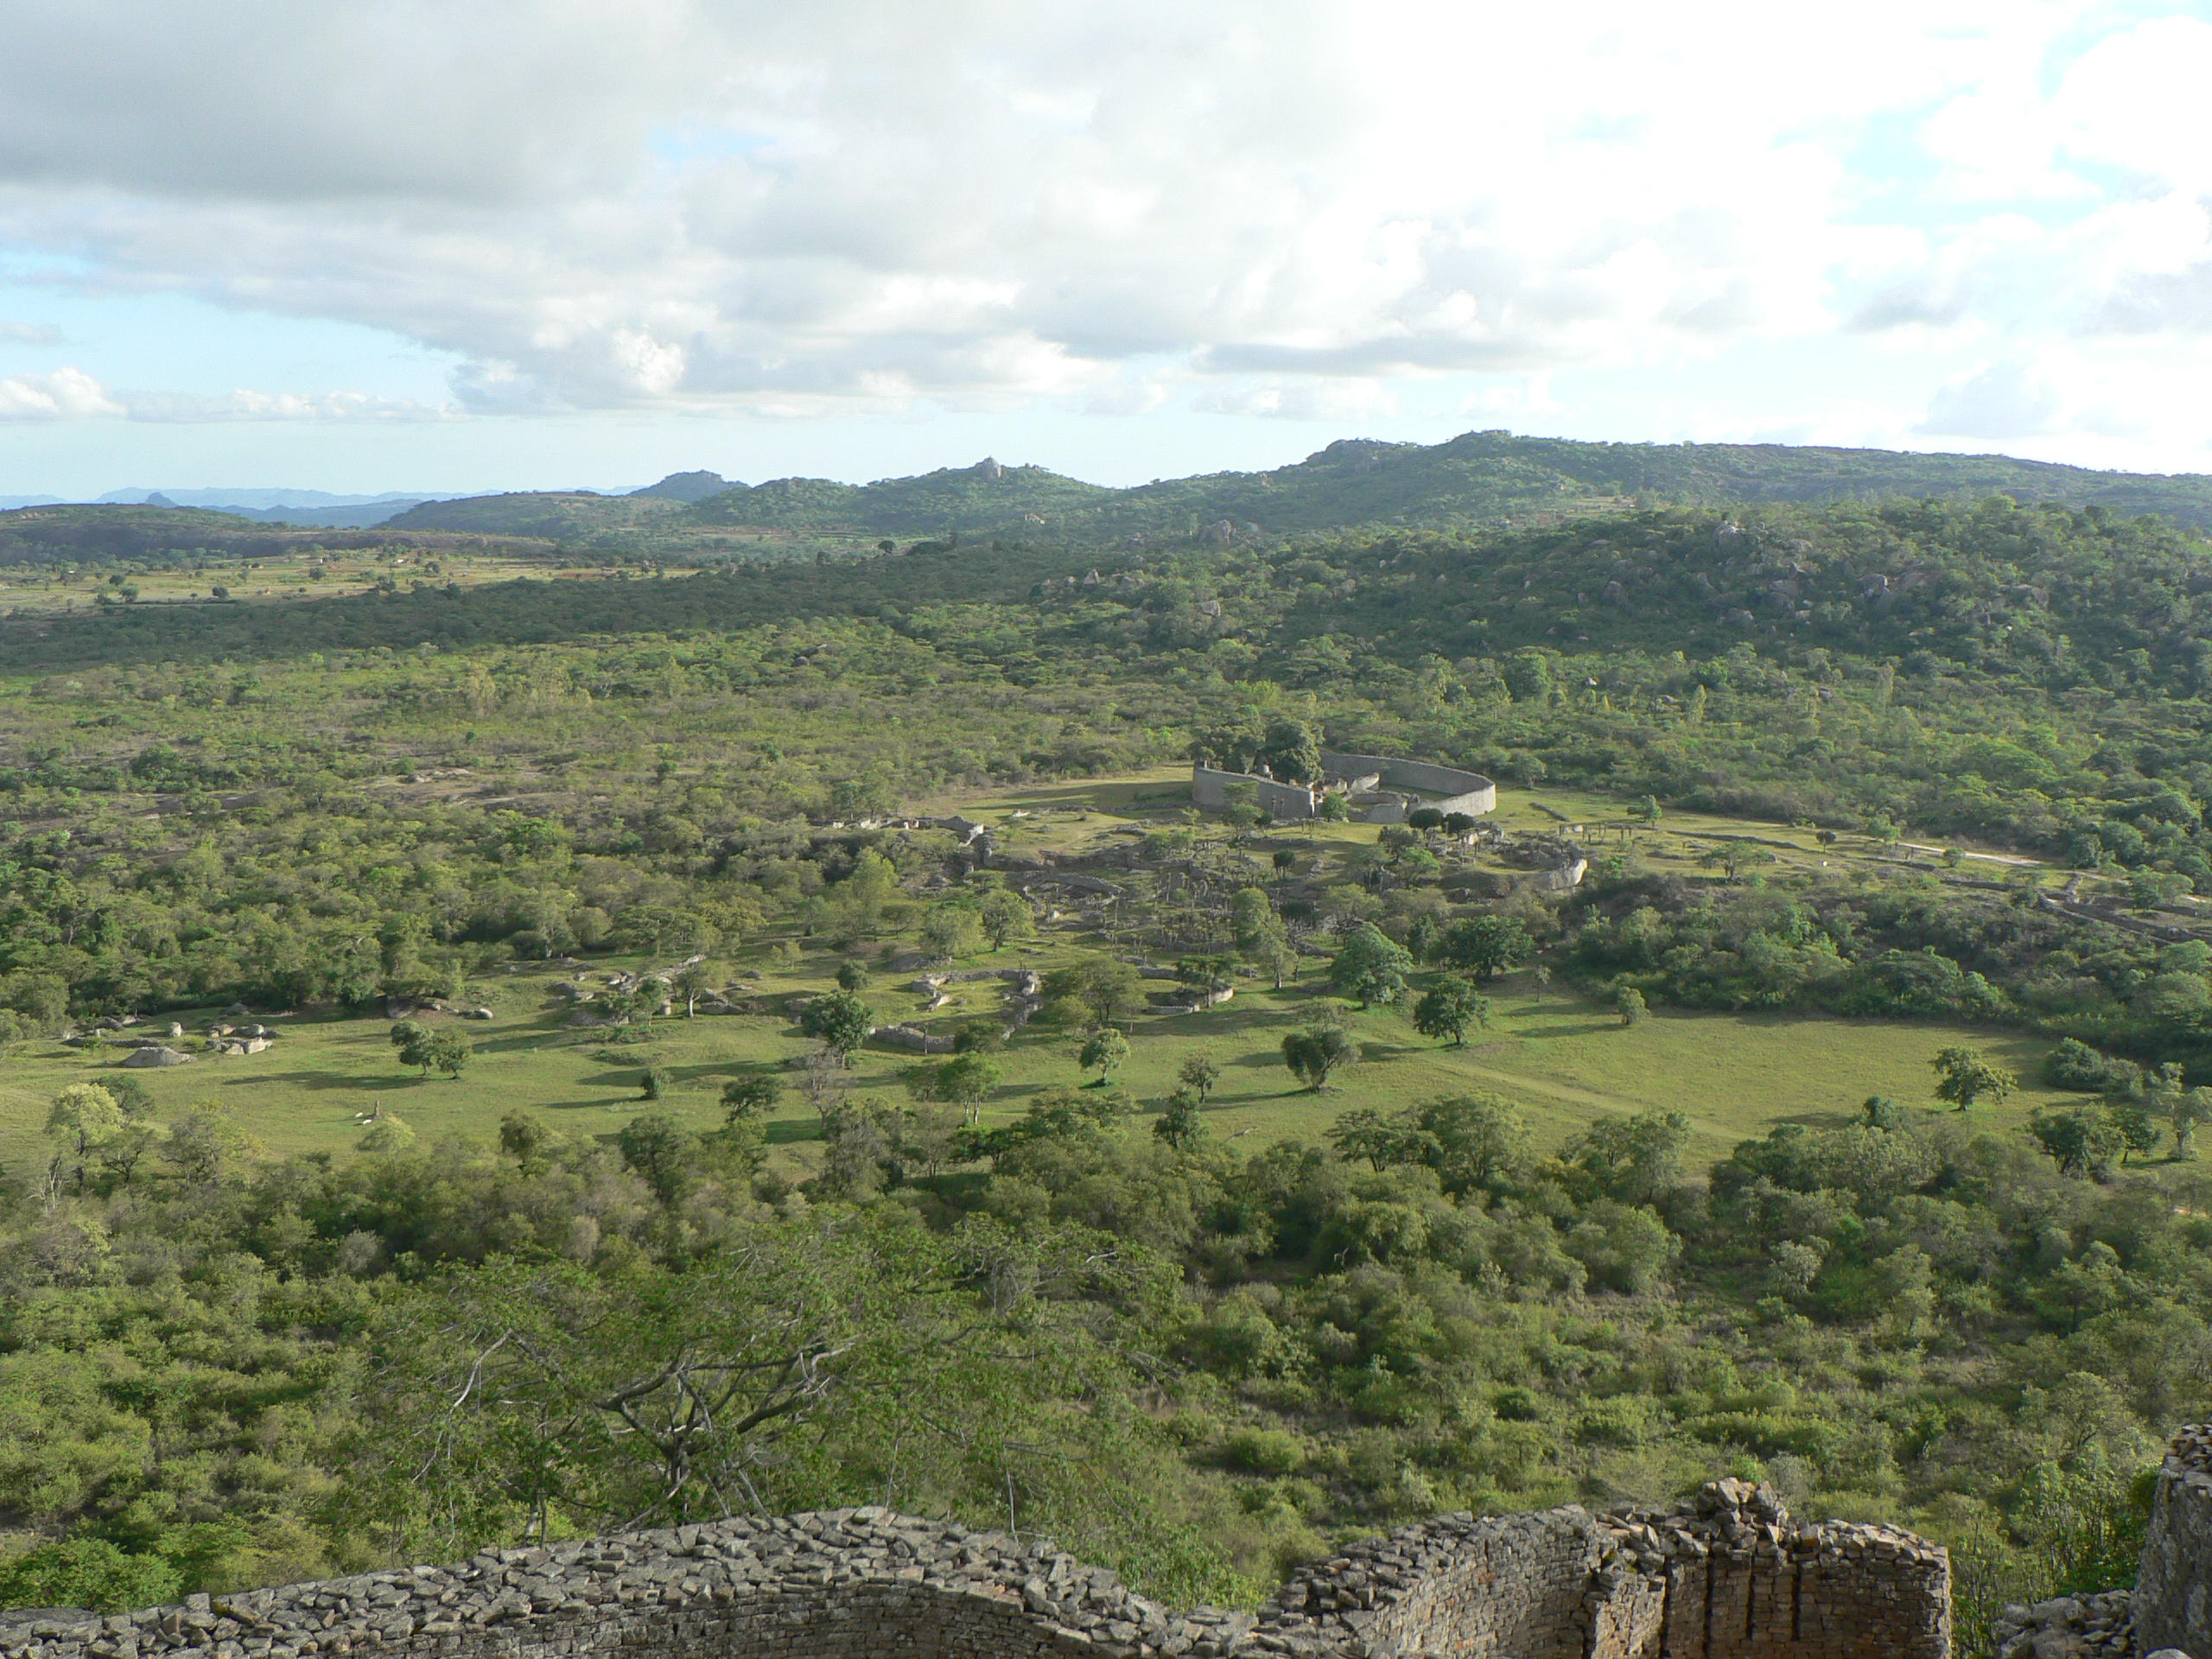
<point x="72" y="394"/>
<point x="63" y="395"/>
<point x="29" y="333"/>
<point x="727" y="205"/>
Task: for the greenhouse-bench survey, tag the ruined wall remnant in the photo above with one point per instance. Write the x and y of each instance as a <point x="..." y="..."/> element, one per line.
<point x="1382" y="789"/>
<point x="2171" y="1606"/>
<point x="1729" y="1577"/>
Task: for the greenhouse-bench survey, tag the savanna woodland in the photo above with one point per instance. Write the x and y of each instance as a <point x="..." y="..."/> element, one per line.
<point x="553" y="1017"/>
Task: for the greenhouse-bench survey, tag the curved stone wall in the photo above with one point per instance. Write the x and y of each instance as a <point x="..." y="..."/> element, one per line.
<point x="1729" y="1578"/>
<point x="1445" y="788"/>
<point x="1404" y="785"/>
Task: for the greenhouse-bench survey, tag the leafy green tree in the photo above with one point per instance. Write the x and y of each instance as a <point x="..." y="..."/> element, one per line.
<point x="752" y="1096"/>
<point x="1318" y="1050"/>
<point x="1486" y="946"/>
<point x="1370" y="967"/>
<point x="1006" y="916"/>
<point x="852" y="976"/>
<point x="1106" y="989"/>
<point x="1448" y="1007"/>
<point x="1106" y="1050"/>
<point x="839" y="1021"/>
<point x="2082" y="1141"/>
<point x="83" y="1117"/>
<point x="1423" y="934"/>
<point x="1965" y="1075"/>
<point x="695" y="980"/>
<point x="1209" y="973"/>
<point x="445" y="1049"/>
<point x="522" y="1138"/>
<point x="1528" y="676"/>
<point x="1291" y="751"/>
<point x="2138" y="1135"/>
<point x="1629" y="1003"/>
<point x="1180" y="1124"/>
<point x="953" y="930"/>
<point x="967" y="1081"/>
<point x="1634" y="1160"/>
<point x="1364" y="1135"/>
<point x="2188" y="1109"/>
<point x="659" y="1151"/>
<point x="1200" y="1075"/>
<point x="412" y="1039"/>
<point x="1261" y="938"/>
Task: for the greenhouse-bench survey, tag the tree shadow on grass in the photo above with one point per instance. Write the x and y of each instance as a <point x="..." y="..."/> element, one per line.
<point x="315" y="1082"/>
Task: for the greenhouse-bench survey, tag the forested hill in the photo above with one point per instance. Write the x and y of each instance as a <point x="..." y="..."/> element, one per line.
<point x="2044" y="594"/>
<point x="1476" y="479"/>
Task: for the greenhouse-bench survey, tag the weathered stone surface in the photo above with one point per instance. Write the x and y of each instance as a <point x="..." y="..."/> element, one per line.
<point x="2172" y="1602"/>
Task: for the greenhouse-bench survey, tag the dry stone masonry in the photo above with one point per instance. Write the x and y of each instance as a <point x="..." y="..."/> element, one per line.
<point x="1729" y="1576"/>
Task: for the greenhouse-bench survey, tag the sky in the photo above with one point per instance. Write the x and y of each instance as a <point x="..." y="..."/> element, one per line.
<point x="390" y="244"/>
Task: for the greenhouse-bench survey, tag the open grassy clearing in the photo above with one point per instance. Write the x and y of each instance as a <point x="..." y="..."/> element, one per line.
<point x="1564" y="1060"/>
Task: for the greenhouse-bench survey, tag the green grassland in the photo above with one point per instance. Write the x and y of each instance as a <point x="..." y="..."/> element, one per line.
<point x="1562" y="1058"/>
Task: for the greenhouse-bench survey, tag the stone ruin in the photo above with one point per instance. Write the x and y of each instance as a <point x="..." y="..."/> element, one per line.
<point x="2168" y="1615"/>
<point x="1375" y="789"/>
<point x="1727" y="1577"/>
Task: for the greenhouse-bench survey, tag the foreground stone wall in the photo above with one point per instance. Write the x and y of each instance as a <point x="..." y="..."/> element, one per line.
<point x="2171" y="1606"/>
<point x="1728" y="1579"/>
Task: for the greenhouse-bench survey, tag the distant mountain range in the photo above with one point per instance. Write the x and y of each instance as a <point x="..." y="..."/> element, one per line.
<point x="1477" y="478"/>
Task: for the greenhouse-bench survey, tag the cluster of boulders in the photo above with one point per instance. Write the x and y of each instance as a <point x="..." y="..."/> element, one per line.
<point x="811" y="1558"/>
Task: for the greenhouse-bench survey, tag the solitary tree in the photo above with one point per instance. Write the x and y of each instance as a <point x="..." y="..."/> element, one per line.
<point x="1200" y="1075"/>
<point x="1106" y="1050"/>
<point x="751" y="1097"/>
<point x="1629" y="1003"/>
<point x="1314" y="1054"/>
<point x="852" y="976"/>
<point x="448" y="1052"/>
<point x="840" y="1022"/>
<point x="1447" y="1007"/>
<point x="1964" y="1076"/>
